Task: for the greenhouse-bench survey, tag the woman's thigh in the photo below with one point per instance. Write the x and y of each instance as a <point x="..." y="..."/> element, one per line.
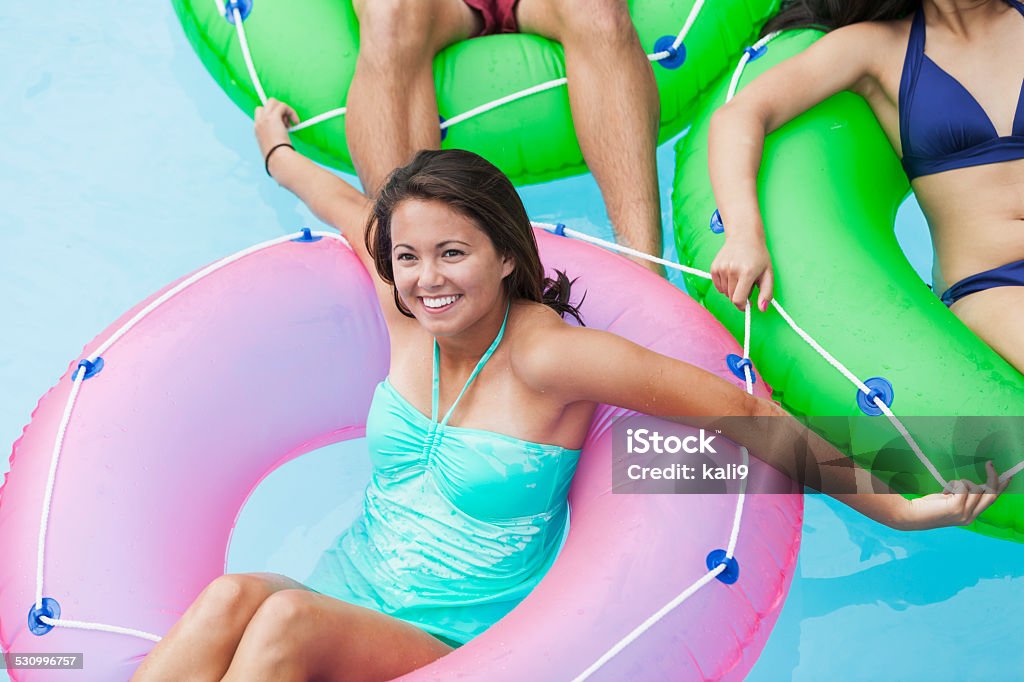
<point x="335" y="639"/>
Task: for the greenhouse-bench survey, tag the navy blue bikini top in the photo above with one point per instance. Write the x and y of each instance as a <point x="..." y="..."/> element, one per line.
<point x="942" y="126"/>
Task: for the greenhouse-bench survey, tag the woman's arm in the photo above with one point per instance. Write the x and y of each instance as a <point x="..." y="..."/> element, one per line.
<point x="585" y="364"/>
<point x="811" y="460"/>
<point x="841" y="60"/>
<point x="331" y="199"/>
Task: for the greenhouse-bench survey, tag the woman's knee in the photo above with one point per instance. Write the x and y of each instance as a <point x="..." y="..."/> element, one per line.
<point x="232" y="594"/>
<point x="282" y="620"/>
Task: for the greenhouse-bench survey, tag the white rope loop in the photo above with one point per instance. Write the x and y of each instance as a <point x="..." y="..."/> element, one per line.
<point x="243" y="42"/>
<point x="83" y="625"/>
<point x="646" y="625"/>
<point x="734" y="532"/>
<point x="78" y="376"/>
<point x="458" y="118"/>
<point x="333" y="113"/>
<point x="484" y="108"/>
<point x="51" y="477"/>
<point x="742" y="64"/>
<point x="690" y="19"/>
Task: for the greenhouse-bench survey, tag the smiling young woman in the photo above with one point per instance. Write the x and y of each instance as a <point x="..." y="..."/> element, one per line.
<point x="465" y="512"/>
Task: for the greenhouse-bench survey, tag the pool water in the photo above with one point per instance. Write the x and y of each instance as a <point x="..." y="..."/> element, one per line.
<point x="126" y="167"/>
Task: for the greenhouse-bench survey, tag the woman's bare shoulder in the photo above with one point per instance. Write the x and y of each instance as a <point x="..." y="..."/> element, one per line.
<point x="539" y="338"/>
<point x="890" y="37"/>
<point x="533" y="323"/>
<point x="870" y="39"/>
<point x="877" y="33"/>
<point x="876" y="47"/>
<point x="887" y="47"/>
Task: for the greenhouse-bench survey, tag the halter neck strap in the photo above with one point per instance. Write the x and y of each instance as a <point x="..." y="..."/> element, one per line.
<point x="479" y="365"/>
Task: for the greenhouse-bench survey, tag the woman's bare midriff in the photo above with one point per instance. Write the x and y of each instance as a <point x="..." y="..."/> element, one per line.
<point x="976" y="216"/>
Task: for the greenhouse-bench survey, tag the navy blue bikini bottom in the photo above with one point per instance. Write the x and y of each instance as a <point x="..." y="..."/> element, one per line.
<point x="1009" y="275"/>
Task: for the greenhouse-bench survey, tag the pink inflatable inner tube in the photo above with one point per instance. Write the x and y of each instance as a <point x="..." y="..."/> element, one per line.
<point x="119" y="510"/>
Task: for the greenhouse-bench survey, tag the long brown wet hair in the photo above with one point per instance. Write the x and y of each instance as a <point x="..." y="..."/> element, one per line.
<point x="474" y="187"/>
<point x="827" y="15"/>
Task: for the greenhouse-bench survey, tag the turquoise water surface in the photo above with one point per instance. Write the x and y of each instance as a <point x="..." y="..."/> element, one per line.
<point x="126" y="167"/>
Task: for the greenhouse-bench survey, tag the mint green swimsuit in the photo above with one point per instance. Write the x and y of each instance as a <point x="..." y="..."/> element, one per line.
<point x="458" y="525"/>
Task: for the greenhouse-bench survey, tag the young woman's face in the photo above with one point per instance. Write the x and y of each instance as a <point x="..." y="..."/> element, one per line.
<point x="447" y="271"/>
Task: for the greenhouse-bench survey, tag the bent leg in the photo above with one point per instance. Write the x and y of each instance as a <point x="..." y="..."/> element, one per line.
<point x="303" y="635"/>
<point x="391" y="106"/>
<point x="991" y="315"/>
<point x="615" y="108"/>
<point x="202" y="643"/>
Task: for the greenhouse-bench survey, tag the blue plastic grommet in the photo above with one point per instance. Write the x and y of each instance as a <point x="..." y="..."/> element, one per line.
<point x="736" y="365"/>
<point x="91" y="368"/>
<point x="880" y="388"/>
<point x="244" y="7"/>
<point x="716" y="224"/>
<point x="307" y="236"/>
<point x="444" y="130"/>
<point x="50" y="609"/>
<point x="559" y="229"/>
<point x="676" y="55"/>
<point x="755" y="52"/>
<point x="732" y="567"/>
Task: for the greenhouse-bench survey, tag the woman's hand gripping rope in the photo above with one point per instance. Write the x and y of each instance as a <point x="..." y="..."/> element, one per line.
<point x="959" y="504"/>
<point x="741" y="263"/>
<point x="271" y="127"/>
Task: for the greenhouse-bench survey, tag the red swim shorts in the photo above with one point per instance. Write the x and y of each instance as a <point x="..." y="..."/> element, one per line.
<point x="499" y="15"/>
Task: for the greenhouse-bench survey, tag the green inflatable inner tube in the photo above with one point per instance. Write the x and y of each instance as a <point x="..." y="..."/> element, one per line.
<point x="304" y="53"/>
<point x="829" y="186"/>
